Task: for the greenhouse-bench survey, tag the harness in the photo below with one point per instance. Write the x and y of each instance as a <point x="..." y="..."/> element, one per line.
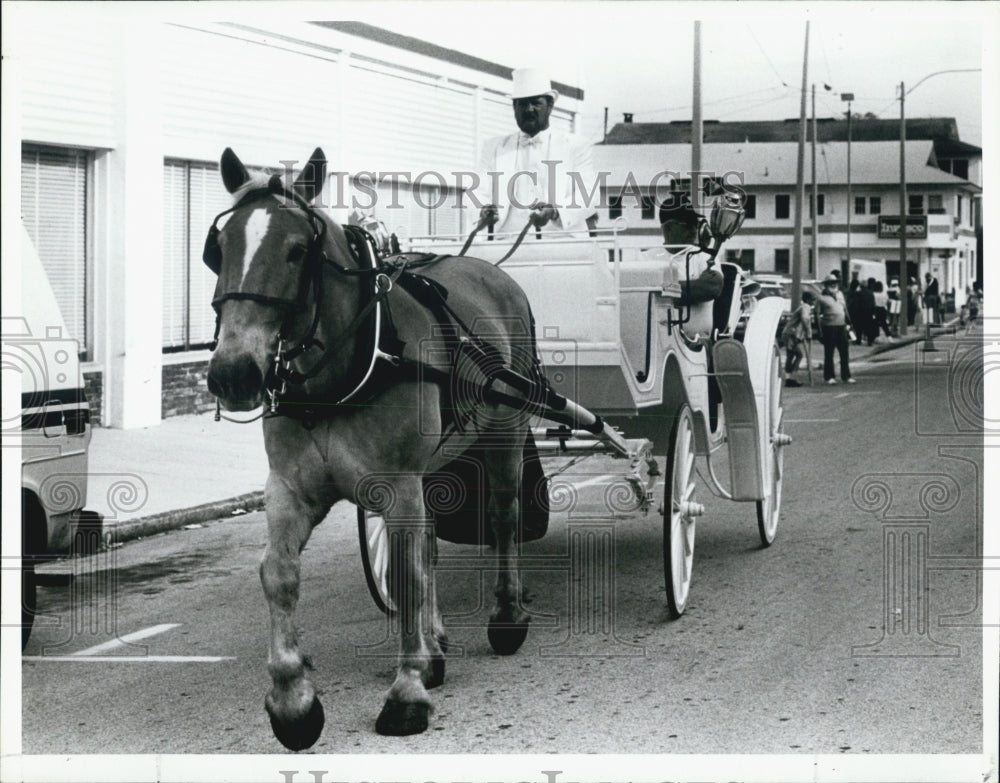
<point x="378" y="358"/>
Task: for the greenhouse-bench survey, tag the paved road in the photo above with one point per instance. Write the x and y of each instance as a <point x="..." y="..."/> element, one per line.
<point x="784" y="650"/>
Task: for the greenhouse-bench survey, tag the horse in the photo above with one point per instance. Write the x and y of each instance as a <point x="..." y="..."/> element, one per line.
<point x="351" y="414"/>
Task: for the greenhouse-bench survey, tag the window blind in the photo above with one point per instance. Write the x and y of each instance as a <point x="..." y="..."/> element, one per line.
<point x="54" y="212"/>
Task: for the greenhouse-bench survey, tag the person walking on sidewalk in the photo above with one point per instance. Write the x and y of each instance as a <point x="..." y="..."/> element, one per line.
<point x="796" y="335"/>
<point x="833" y="326"/>
<point x="881" y="308"/>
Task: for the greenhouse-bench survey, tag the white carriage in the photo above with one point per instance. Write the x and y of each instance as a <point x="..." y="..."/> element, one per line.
<point x="628" y="358"/>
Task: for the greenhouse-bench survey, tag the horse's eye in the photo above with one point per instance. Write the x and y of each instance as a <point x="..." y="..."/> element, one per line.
<point x="296" y="254"/>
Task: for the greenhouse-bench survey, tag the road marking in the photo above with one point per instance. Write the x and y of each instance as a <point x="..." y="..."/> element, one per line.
<point x="122" y="641"/>
<point x="77" y="658"/>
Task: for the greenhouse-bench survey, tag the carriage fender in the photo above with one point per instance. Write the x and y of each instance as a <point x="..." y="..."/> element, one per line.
<point x="744" y="377"/>
<point x="760" y="337"/>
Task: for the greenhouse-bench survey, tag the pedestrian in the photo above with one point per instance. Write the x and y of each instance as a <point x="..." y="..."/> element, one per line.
<point x="796" y="336"/>
<point x="536" y="174"/>
<point x="932" y="298"/>
<point x="972" y="303"/>
<point x="912" y="301"/>
<point x="854" y="309"/>
<point x="881" y="308"/>
<point x="833" y="323"/>
<point x="864" y="324"/>
<point x="895" y="305"/>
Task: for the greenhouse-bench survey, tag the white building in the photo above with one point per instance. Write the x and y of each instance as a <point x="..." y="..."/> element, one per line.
<point x="943" y="209"/>
<point x="121" y="123"/>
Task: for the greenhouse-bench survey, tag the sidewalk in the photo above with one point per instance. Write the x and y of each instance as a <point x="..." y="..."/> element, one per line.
<point x="191" y="469"/>
<point x="185" y="470"/>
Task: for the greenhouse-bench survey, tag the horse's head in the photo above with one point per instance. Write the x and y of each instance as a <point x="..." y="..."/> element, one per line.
<point x="266" y="254"/>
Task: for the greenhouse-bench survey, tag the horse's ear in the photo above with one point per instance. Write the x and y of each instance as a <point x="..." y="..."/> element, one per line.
<point x="234" y="173"/>
<point x="310" y="182"/>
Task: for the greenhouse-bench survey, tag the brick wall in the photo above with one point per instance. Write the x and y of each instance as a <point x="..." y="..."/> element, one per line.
<point x="185" y="389"/>
<point x="93" y="387"/>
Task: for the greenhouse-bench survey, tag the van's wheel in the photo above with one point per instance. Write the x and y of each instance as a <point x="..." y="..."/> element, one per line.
<point x="373" y="536"/>
<point x="29" y="599"/>
<point x="769" y="509"/>
<point x="680" y="510"/>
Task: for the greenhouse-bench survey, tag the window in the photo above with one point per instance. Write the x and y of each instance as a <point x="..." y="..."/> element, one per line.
<point x="648" y="207"/>
<point x="744" y="258"/>
<point x="614" y="207"/>
<point x="782" y="206"/>
<point x="820" y="200"/>
<point x="781" y="260"/>
<point x="192" y="196"/>
<point x="935" y="204"/>
<point x="916" y="206"/>
<point x="54" y="211"/>
<point x="958" y="208"/>
<point x="750" y="207"/>
<point x="859" y="205"/>
<point x="875" y="205"/>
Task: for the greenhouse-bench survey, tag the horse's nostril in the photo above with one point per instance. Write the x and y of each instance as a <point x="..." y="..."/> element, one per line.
<point x="247" y="376"/>
<point x="237" y="379"/>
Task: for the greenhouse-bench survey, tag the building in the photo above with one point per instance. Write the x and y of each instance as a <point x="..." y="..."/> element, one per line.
<point x="121" y="121"/>
<point x="943" y="176"/>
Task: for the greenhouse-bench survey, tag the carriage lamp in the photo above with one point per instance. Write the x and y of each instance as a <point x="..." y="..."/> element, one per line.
<point x="727" y="216"/>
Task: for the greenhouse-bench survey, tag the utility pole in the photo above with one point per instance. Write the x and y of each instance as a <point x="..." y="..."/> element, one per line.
<point x="814" y="264"/>
<point x="799" y="181"/>
<point x="904" y="275"/>
<point x="605" y="123"/>
<point x="848" y="96"/>
<point x="696" y="122"/>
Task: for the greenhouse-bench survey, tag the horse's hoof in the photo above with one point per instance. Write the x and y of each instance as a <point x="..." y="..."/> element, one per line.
<point x="506" y="638"/>
<point x="399" y="719"/>
<point x="436" y="676"/>
<point x="301" y="733"/>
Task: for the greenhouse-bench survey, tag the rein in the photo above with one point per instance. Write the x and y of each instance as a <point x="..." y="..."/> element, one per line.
<point x="517" y="242"/>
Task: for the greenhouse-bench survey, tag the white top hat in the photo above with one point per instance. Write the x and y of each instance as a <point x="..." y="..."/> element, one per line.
<point x="529" y="82"/>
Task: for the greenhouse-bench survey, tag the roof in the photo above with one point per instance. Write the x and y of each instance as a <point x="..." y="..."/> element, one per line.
<point x="827" y="129"/>
<point x="872" y="163"/>
<point x="410" y="44"/>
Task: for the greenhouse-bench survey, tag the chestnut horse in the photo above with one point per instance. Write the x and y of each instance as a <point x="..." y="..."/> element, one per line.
<point x="302" y="322"/>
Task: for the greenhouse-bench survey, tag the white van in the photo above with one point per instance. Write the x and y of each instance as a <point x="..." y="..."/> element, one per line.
<point x="53" y="428"/>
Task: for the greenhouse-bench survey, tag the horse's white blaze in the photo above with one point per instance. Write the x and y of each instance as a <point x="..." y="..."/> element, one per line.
<point x="256" y="230"/>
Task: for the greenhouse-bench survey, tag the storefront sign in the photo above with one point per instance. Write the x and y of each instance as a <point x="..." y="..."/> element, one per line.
<point x="916" y="226"/>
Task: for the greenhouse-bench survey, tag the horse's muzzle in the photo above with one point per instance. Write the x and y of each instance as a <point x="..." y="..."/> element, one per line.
<point x="237" y="382"/>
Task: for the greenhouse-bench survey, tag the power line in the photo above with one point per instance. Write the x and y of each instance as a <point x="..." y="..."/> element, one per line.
<point x="783" y="82"/>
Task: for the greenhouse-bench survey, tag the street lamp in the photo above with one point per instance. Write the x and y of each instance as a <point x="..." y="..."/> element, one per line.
<point x="848" y="96"/>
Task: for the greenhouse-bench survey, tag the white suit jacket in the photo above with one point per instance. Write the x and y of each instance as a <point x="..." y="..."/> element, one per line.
<point x="558" y="169"/>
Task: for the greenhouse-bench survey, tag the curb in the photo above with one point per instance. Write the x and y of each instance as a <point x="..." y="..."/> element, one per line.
<point x="131" y="529"/>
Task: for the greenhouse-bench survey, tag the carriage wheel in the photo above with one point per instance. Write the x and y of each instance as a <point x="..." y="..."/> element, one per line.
<point x="769" y="508"/>
<point x="679" y="512"/>
<point x="374" y="539"/>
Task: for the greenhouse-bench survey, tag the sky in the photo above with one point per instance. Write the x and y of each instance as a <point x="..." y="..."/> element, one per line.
<point x="638" y="56"/>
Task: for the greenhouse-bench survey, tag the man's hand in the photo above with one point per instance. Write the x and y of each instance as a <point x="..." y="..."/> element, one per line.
<point x="489" y="215"/>
<point x="542" y="213"/>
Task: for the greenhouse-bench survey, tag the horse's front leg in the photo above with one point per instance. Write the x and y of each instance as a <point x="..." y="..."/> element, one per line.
<point x="508" y="626"/>
<point x="421" y="661"/>
<point x="296" y="712"/>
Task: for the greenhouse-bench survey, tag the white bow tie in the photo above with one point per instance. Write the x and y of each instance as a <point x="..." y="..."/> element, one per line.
<point x="531" y="141"/>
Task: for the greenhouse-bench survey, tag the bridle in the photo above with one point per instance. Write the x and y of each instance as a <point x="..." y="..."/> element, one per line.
<point x="380" y="277"/>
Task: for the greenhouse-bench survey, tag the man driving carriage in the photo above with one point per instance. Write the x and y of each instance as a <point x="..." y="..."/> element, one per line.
<point x="538" y="172"/>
